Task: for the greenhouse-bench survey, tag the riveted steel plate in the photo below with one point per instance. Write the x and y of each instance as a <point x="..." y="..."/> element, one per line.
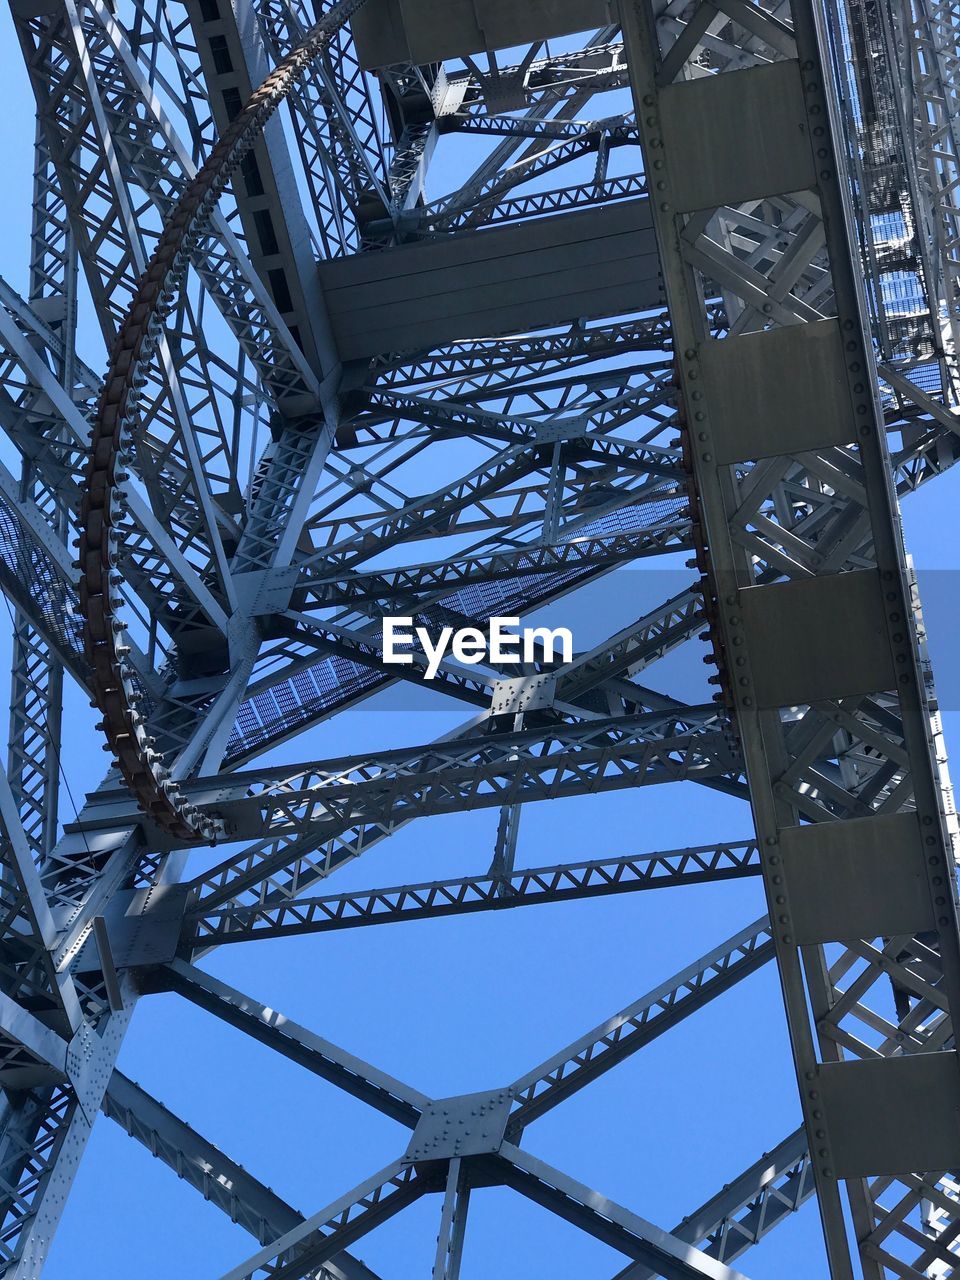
<point x="522" y="693"/>
<point x="864" y="878"/>
<point x="594" y="262"/>
<point x="817" y="638"/>
<point x="779" y="391"/>
<point x="892" y="1115"/>
<point x="144" y="925"/>
<point x="422" y="31"/>
<point x="736" y="136"/>
<point x="469" y="1125"/>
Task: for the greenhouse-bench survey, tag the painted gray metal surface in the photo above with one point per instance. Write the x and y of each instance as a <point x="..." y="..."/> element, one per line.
<point x="675" y="353"/>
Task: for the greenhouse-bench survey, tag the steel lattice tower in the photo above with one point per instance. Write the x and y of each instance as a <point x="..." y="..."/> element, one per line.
<point x="721" y="318"/>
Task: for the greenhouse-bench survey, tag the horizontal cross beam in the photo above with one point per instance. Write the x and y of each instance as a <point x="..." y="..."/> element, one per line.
<point x="524" y="887"/>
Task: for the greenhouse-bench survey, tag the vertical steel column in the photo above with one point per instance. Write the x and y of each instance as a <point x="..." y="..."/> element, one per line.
<point x="834" y="637"/>
<point x="36" y="681"/>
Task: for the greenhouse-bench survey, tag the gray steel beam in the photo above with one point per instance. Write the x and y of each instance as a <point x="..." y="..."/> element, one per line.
<point x="840" y="761"/>
<point x="220" y="1180"/>
<point x="164" y="569"/>
<point x="692" y="129"/>
<point x="924" y="36"/>
<point x="36" y="574"/>
<point x="160" y="165"/>
<point x="337" y="122"/>
<point x="398" y="589"/>
<point x="305" y="1249"/>
<point x="28" y="972"/>
<point x="363" y="1081"/>
<point x="606" y="1220"/>
<point x="388" y="31"/>
<point x="370" y="676"/>
<point x="43" y="1133"/>
<point x="495" y="891"/>
<point x="532" y="274"/>
<point x="923" y="451"/>
<point x="36" y="680"/>
<point x="453" y="1222"/>
<point x="601" y="756"/>
<point x="553" y="1081"/>
<point x="33" y="754"/>
<point x="748" y="1208"/>
<point x="276" y="230"/>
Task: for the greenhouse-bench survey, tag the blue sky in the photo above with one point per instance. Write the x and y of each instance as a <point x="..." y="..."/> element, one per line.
<point x="462" y="1005"/>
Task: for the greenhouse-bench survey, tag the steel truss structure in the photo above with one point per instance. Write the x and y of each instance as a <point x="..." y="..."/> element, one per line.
<point x="700" y="293"/>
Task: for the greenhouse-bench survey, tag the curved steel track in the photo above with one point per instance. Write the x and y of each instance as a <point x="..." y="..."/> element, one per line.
<point x="113" y="680"/>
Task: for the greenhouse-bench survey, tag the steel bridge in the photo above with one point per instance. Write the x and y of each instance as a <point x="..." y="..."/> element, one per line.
<point x="692" y="290"/>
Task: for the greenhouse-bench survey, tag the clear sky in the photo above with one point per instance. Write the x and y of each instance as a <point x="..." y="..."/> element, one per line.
<point x="466" y="1004"/>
